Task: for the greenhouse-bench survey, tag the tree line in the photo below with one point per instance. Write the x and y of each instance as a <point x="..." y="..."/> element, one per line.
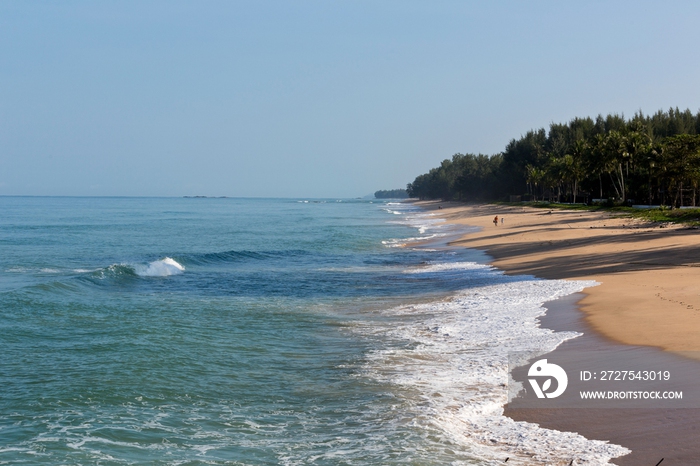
<point x="648" y="159"/>
<point x="391" y="194"/>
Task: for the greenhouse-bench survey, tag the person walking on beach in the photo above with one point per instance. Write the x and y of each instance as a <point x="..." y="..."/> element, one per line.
<point x="495" y="220"/>
<point x="503" y="219"/>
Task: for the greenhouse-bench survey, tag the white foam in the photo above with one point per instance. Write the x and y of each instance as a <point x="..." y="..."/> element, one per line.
<point x="17" y="270"/>
<point x="452" y="356"/>
<point x="10" y="449"/>
<point x="447" y="267"/>
<point x="399" y="243"/>
<point x="428" y="224"/>
<point x="160" y="268"/>
<point x="91" y="439"/>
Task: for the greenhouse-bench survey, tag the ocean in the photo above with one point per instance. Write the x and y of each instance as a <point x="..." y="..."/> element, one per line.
<point x="191" y="331"/>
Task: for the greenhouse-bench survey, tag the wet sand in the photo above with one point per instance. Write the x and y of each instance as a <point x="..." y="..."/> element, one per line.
<point x="652" y="434"/>
<point x="648" y="302"/>
<point x="649" y="274"/>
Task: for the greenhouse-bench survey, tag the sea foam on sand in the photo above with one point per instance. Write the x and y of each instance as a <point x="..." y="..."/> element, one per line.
<point x="454" y="355"/>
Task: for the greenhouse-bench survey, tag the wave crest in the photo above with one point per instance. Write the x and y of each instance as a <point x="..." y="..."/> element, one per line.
<point x="160" y="268"/>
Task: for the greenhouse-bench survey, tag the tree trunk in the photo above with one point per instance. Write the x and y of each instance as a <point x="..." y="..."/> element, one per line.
<point x="612" y="180"/>
<point x="695" y="185"/>
<point x="663" y="196"/>
<point x="622" y="184"/>
<point x="693" y="195"/>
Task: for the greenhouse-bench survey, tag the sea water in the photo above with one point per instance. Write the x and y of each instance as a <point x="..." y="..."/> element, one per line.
<point x="261" y="331"/>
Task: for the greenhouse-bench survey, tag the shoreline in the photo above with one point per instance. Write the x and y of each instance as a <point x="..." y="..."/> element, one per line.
<point x="649" y="292"/>
<point x="632" y="269"/>
<point x="651" y="434"/>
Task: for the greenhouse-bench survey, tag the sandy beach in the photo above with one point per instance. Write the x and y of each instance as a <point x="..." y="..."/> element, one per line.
<point x="649" y="296"/>
<point x="649" y="293"/>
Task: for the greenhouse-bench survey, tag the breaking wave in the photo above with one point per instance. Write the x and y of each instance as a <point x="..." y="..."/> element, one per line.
<point x="160" y="268"/>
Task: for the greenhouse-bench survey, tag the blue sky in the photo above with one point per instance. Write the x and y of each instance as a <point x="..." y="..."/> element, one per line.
<point x="312" y="98"/>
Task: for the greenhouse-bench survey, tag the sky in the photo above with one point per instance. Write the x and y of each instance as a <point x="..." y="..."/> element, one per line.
<point x="312" y="98"/>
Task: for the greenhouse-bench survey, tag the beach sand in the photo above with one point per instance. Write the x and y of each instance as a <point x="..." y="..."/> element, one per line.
<point x="649" y="296"/>
<point x="650" y="283"/>
<point x="651" y="434"/>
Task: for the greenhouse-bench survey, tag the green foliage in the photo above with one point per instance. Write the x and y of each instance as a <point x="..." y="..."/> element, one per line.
<point x="465" y="177"/>
<point x="391" y="194"/>
<point x="645" y="160"/>
<point x="690" y="217"/>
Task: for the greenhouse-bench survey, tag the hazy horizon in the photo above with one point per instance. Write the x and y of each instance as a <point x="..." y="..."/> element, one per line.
<point x="197" y="196"/>
<point x="312" y="99"/>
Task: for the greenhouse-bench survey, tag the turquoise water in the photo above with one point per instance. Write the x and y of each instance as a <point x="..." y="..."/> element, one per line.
<point x="260" y="331"/>
<point x="112" y="354"/>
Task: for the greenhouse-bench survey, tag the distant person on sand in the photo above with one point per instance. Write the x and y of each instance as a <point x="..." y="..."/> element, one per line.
<point x="495" y="220"/>
<point x="503" y="219"/>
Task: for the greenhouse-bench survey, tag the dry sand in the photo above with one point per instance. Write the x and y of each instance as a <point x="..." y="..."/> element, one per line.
<point x="649" y="296"/>
<point x="650" y="283"/>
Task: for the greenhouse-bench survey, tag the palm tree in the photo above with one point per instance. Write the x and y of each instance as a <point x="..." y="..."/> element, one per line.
<point x="574" y="164"/>
<point x="683" y="156"/>
<point x="534" y="177"/>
